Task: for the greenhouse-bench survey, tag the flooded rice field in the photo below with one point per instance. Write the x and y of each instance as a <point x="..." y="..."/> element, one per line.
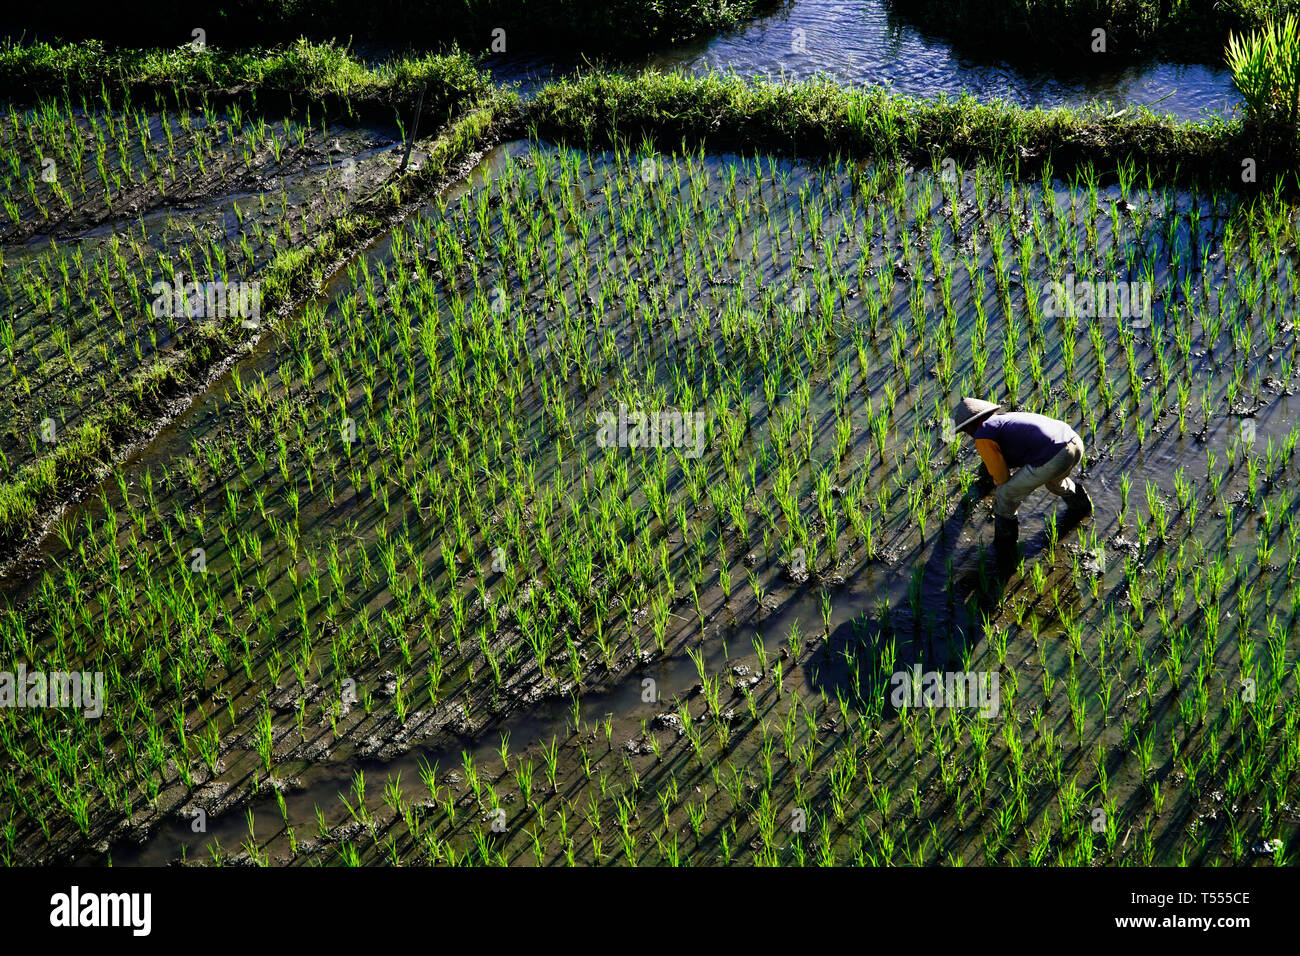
<point x="593" y="514"/>
<point x="119" y="220"/>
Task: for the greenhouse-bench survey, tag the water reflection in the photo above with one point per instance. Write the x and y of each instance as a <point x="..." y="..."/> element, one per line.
<point x="861" y="42"/>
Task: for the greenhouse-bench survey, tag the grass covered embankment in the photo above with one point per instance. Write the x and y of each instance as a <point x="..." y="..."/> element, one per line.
<point x="1032" y="29"/>
<point x="822" y="119"/>
<point x="594" y="27"/>
<point x="457" y="99"/>
<point x="318" y="72"/>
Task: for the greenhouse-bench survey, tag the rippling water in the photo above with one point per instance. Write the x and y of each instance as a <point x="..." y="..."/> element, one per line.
<point x="861" y="42"/>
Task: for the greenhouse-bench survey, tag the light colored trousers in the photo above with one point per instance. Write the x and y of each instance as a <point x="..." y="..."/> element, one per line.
<point x="1054" y="475"/>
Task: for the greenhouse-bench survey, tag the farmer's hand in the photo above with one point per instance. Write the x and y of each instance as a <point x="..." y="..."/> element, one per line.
<point x="976" y="490"/>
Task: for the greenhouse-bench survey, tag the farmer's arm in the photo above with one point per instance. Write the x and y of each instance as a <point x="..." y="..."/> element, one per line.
<point x="993" y="460"/>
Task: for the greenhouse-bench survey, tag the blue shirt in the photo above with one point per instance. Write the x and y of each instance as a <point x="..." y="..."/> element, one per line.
<point x="1026" y="438"/>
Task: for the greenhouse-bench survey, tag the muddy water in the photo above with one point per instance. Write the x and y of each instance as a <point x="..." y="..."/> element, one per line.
<point x="321" y="785"/>
<point x="626" y="707"/>
<point x="857" y="42"/>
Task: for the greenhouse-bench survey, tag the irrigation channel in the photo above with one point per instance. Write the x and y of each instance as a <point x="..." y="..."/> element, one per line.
<point x="860" y="42"/>
<point x="790" y="301"/>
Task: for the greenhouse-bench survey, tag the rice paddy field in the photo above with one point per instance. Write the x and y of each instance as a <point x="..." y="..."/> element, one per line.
<point x="590" y="496"/>
<point x="191" y="191"/>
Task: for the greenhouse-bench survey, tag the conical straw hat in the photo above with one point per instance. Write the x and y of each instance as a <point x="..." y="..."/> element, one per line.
<point x="969" y="410"/>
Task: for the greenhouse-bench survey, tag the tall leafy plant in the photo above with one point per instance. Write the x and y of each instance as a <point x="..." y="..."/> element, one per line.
<point x="1265" y="67"/>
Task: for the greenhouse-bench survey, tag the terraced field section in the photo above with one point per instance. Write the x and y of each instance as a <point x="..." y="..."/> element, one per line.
<point x="96" y="249"/>
<point x="590" y="514"/>
<point x="153" y="230"/>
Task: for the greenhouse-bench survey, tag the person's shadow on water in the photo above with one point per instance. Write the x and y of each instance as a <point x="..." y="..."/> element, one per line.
<point x="935" y="624"/>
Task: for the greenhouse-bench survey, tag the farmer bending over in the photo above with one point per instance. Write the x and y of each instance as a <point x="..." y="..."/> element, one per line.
<point x="1043" y="450"/>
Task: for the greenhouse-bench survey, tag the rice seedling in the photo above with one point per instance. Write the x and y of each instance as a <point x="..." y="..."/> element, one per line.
<point x="1265" y="67"/>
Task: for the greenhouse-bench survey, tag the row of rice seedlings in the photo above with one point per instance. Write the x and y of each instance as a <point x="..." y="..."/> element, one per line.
<point x="512" y="247"/>
<point x="776" y="790"/>
<point x="80" y="319"/>
<point x="83" y="160"/>
<point x="424" y="492"/>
